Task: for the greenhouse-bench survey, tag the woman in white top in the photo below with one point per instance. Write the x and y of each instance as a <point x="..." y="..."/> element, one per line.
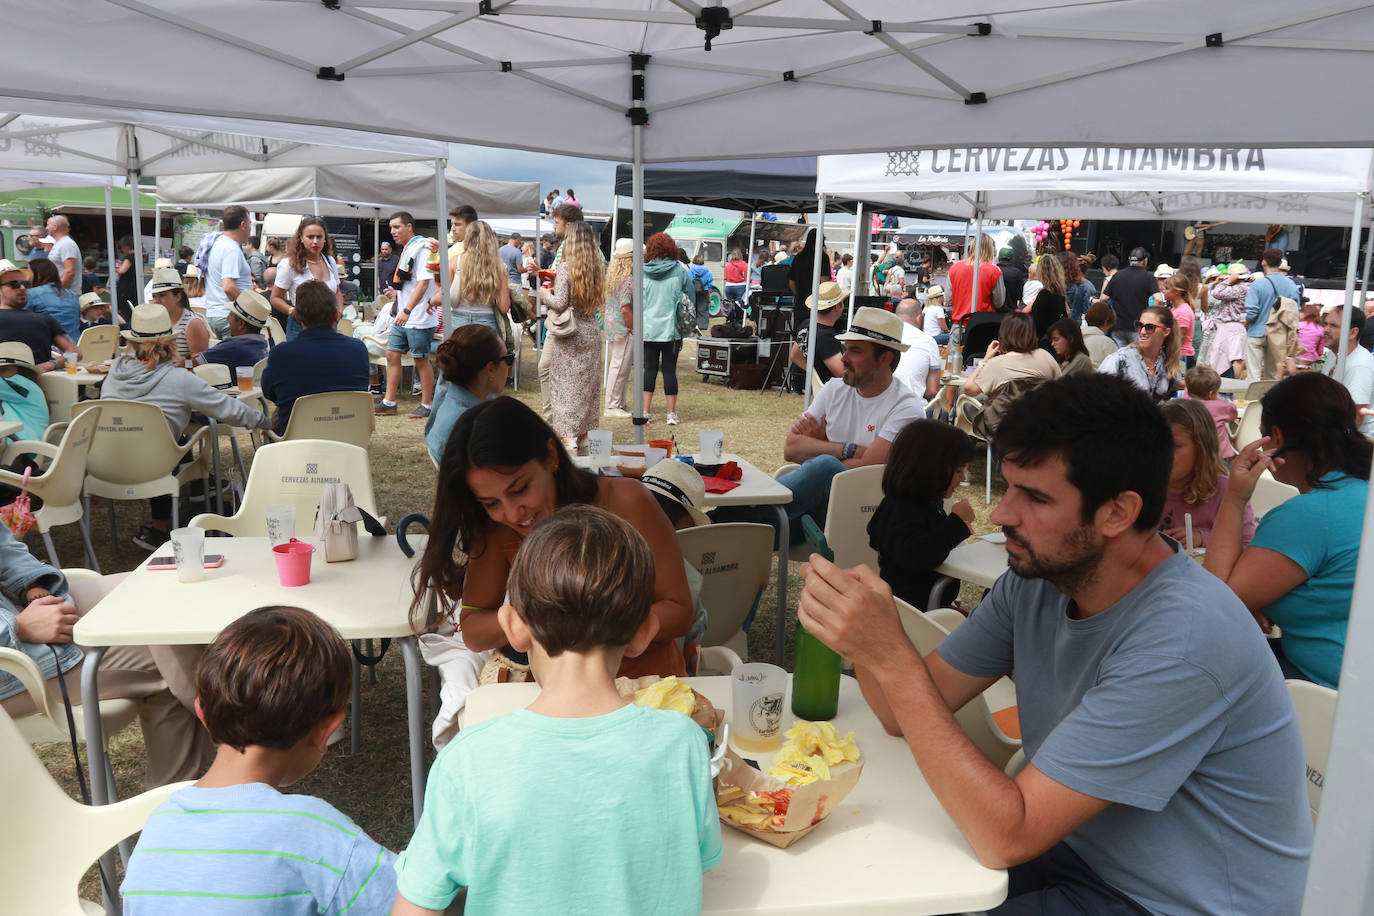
<point x="481" y="284"/>
<point x="934" y="320"/>
<point x="309" y="256"/>
<point x="1151" y="363"/>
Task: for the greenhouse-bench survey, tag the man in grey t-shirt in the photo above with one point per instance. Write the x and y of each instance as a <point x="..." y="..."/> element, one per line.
<point x="1166" y="767"/>
<point x="512" y="257"/>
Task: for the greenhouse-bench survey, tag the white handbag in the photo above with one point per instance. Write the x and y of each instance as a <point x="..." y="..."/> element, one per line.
<point x="336" y="523"/>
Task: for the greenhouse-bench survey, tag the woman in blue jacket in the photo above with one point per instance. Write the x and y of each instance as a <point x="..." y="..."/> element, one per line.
<point x="47" y="297"/>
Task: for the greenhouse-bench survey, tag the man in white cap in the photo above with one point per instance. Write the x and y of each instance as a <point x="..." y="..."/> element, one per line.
<point x="827" y="361"/>
<point x="65" y="254"/>
<point x="850" y="424"/>
<point x="41" y="333"/>
<point x="245" y="346"/>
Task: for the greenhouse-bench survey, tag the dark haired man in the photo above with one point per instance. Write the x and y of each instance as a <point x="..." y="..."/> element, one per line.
<point x="416" y="321"/>
<point x="1356" y="367"/>
<point x="319" y="359"/>
<point x="1166" y="766"/>
<point x="226" y="270"/>
<point x="1262" y="356"/>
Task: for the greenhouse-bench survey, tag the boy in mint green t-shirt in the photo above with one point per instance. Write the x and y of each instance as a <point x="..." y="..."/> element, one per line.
<point x="581" y="802"/>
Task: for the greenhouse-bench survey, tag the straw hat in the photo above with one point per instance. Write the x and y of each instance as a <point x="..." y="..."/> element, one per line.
<point x="680" y="482"/>
<point x="877" y="326"/>
<point x="164" y="278"/>
<point x="14" y="353"/>
<point x="935" y="292"/>
<point x="623" y="248"/>
<point x="8" y="267"/>
<point x="830" y="296"/>
<point x="1237" y="270"/>
<point x="1283" y="265"/>
<point x="1163" y="272"/>
<point x="149" y="321"/>
<point x="779" y="257"/>
<point x="251" y="308"/>
<point x="90" y="300"/>
<point x="161" y="263"/>
<point x="192" y="271"/>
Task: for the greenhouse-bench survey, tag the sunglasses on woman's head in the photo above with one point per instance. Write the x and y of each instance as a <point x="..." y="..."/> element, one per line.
<point x="1146" y="327"/>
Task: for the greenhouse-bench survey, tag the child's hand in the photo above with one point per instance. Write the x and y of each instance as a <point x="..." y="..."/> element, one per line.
<point x="963" y="510"/>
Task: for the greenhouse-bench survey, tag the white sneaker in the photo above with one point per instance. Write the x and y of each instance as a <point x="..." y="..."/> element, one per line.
<point x="616" y="412"/>
<point x="673" y="418"/>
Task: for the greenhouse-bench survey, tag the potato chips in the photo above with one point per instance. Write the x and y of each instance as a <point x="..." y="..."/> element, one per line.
<point x="809" y="752"/>
<point x="669" y="693"/>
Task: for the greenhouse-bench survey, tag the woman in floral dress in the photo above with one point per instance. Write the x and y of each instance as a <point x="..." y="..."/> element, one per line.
<point x="575" y="360"/>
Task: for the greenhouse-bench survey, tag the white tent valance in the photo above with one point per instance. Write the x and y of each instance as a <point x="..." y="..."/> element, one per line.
<point x="350" y="190"/>
<point x="1303" y="186"/>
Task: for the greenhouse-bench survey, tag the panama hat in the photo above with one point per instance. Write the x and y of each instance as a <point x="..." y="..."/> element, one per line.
<point x="679" y="482"/>
<point x="192" y="271"/>
<point x="161" y="263"/>
<point x="877" y="326"/>
<point x="149" y="321"/>
<point x="935" y="292"/>
<point x="90" y="300"/>
<point x="779" y="257"/>
<point x="623" y="248"/>
<point x="830" y="296"/>
<point x="1283" y="265"/>
<point x="14" y="353"/>
<point x="251" y="308"/>
<point x="7" y="267"/>
<point x="1237" y="270"/>
<point x="164" y="278"/>
<point x="1163" y="272"/>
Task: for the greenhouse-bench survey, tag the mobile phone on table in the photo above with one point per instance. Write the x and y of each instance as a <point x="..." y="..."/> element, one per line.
<point x="212" y="561"/>
<point x="815" y="538"/>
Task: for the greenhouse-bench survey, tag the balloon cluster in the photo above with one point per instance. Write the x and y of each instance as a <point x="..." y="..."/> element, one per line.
<point x="1066" y="228"/>
<point x="1041" y="231"/>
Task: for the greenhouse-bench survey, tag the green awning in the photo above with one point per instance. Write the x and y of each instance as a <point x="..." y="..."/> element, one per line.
<point x="31" y="204"/>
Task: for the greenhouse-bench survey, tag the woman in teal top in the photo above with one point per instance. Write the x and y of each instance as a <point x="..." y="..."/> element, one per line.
<point x="1299" y="570"/>
<point x="474" y="365"/>
<point x="665" y="283"/>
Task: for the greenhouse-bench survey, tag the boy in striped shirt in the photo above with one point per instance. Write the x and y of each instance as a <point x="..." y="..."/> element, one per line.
<point x="271" y="689"/>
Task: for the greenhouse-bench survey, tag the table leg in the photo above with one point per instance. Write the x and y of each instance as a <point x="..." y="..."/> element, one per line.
<point x="95" y="754"/>
<point x="410" y="652"/>
<point x="780" y="624"/>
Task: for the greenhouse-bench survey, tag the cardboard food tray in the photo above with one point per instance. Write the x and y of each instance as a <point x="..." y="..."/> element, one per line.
<point x="809" y="806"/>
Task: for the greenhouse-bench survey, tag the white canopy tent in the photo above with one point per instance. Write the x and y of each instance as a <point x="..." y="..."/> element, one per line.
<point x="785" y="77"/>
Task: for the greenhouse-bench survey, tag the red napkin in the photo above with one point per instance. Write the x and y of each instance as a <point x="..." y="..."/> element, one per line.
<point x="723" y="480"/>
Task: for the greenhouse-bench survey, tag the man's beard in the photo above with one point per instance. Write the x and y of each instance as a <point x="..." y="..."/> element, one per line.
<point x="1072" y="573"/>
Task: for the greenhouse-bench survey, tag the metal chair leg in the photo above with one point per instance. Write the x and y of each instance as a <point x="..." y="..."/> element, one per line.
<point x="988" y="476"/>
<point x="355" y="711"/>
<point x="86" y="539"/>
<point x="52" y="551"/>
<point x="176" y="516"/>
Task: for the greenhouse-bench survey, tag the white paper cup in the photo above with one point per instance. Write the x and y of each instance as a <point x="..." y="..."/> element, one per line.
<point x="188" y="544"/>
<point x="757" y="691"/>
<point x="281" y="524"/>
<point x="712" y="446"/>
<point x="599" y="447"/>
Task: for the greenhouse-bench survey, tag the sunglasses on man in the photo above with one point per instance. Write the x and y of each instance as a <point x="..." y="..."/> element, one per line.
<point x="16" y="284"/>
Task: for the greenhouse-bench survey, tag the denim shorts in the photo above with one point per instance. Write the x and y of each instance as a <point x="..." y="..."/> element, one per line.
<point x="415" y="341"/>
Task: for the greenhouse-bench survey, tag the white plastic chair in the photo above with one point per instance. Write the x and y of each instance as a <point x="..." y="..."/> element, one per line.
<point x="854" y="497"/>
<point x="294" y="474"/>
<point x="976" y="717"/>
<point x="99" y="343"/>
<point x="1269" y="493"/>
<point x="60" y="837"/>
<point x="345" y="327"/>
<point x="965" y="409"/>
<point x="1249" y="428"/>
<point x="339" y="416"/>
<point x="133" y="455"/>
<point x="734" y="559"/>
<point x="1316" y="707"/>
<point x="1256" y="390"/>
<point x="59" y="486"/>
<point x="258" y="368"/>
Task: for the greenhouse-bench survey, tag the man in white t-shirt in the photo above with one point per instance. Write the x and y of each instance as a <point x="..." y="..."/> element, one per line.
<point x="226" y="270"/>
<point x="853" y="419"/>
<point x="416" y="317"/>
<point x="922" y="366"/>
<point x="1356" y="368"/>
<point x="65" y="254"/>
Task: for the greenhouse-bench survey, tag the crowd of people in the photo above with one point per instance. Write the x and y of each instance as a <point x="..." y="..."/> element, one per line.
<point x="1102" y="404"/>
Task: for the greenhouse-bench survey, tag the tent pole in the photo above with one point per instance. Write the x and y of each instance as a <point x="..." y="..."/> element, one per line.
<point x="441" y="196"/>
<point x="749" y="259"/>
<point x="615" y="219"/>
<point x="1368" y="254"/>
<point x="637" y="283"/>
<point x="817" y="255"/>
<point x="157" y="227"/>
<point x="138" y="234"/>
<point x="1356" y="224"/>
<point x="863" y="270"/>
<point x="114" y="256"/>
<point x="854" y="283"/>
<point x="376" y="258"/>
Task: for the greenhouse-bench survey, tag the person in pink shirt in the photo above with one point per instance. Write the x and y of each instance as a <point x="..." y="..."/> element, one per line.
<point x="1203" y="385"/>
<point x="1176" y="291"/>
<point x="1310" y="333"/>
<point x="1197" y="483"/>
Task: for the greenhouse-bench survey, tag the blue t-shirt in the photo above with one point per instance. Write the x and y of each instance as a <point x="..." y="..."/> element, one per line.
<point x="61" y="304"/>
<point x="610" y="814"/>
<point x="1261" y="298"/>
<point x="512" y="258"/>
<point x="1320" y="531"/>
<point x="240" y="350"/>
<point x="252" y="850"/>
<point x="225" y="260"/>
<point x="1169" y="705"/>
<point x="319" y="359"/>
<point x="450" y="402"/>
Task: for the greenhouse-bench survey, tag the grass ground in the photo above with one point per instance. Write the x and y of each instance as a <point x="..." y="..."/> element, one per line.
<point x="373" y="787"/>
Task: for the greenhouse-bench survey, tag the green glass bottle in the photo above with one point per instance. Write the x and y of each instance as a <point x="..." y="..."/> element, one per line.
<point x="815" y="678"/>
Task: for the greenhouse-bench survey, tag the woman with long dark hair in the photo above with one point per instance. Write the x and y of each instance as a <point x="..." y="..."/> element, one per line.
<point x="1066" y="342"/>
<point x="309" y="256"/>
<point x="1050" y="304"/>
<point x="1299" y="570"/>
<point x="48" y="297"/>
<point x="1078" y="292"/>
<point x="503" y="469"/>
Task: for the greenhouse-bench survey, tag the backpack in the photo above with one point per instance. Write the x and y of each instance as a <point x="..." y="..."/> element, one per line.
<point x="696" y="283"/>
<point x="686" y="316"/>
<point x="1283" y="320"/>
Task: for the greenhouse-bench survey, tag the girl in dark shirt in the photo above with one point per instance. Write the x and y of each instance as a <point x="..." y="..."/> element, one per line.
<point x="910" y="530"/>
